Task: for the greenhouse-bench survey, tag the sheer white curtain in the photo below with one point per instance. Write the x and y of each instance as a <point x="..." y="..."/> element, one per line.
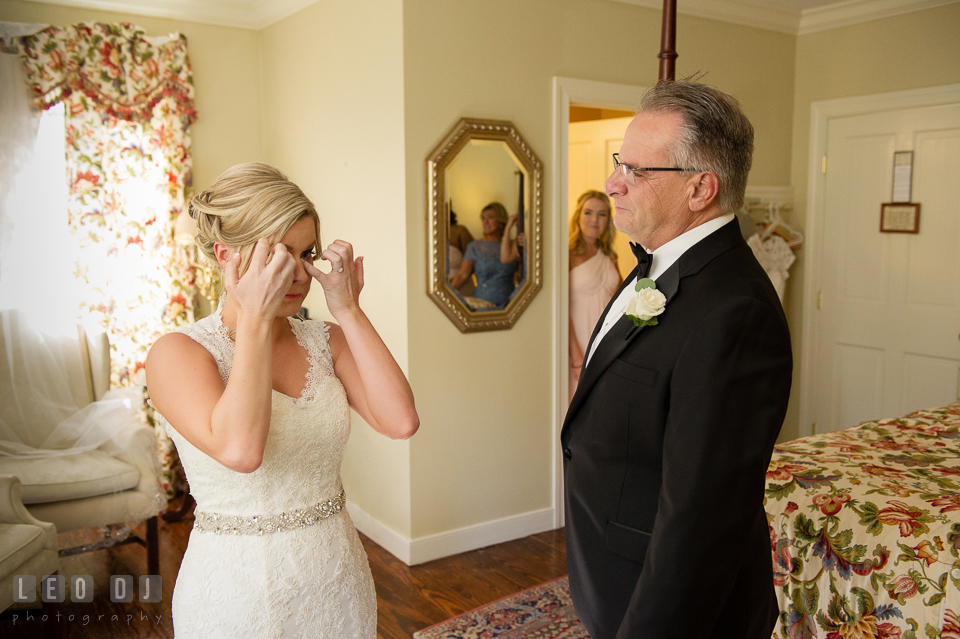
<point x="18" y="122"/>
<point x="38" y="299"/>
<point x="36" y="254"/>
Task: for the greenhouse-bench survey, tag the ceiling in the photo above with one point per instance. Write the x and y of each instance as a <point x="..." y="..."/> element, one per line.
<point x="796" y="17"/>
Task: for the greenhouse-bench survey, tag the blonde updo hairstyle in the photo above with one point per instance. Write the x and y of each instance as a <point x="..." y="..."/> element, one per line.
<point x="245" y="203"/>
<point x="578" y="245"/>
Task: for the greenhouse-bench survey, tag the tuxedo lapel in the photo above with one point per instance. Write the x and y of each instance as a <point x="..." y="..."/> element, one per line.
<point x="624" y="332"/>
<point x="618" y="338"/>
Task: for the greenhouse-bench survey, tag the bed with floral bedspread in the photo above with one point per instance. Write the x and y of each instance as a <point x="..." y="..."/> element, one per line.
<point x="865" y="530"/>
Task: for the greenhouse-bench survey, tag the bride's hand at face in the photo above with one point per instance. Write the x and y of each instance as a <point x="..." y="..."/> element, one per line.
<point x="263" y="286"/>
<point x="342" y="285"/>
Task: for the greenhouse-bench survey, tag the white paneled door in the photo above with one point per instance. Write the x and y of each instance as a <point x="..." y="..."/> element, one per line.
<point x="890" y="317"/>
<point x="590" y="162"/>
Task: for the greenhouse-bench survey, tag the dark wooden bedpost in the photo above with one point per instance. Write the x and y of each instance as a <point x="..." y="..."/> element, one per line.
<point x="668" y="41"/>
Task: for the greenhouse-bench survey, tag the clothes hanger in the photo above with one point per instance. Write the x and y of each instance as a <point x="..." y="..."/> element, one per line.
<point x="775" y="225"/>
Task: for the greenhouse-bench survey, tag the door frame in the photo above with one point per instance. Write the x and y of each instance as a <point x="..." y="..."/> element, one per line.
<point x="821" y="112"/>
<point x="588" y="93"/>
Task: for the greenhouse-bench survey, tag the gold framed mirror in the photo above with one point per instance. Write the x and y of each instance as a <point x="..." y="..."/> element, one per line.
<point x="484" y="225"/>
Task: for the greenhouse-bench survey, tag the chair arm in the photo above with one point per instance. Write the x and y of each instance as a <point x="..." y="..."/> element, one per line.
<point x="12" y="510"/>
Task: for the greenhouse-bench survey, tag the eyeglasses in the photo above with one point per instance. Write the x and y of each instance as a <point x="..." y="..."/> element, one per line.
<point x="630" y="173"/>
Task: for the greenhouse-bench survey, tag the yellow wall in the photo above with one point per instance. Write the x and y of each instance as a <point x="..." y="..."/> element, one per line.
<point x="920" y="49"/>
<point x="333" y="120"/>
<point x="483" y="172"/>
<point x="486" y="399"/>
<point x="226" y="77"/>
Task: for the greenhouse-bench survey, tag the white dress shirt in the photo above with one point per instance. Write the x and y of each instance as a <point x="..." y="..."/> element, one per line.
<point x="661" y="259"/>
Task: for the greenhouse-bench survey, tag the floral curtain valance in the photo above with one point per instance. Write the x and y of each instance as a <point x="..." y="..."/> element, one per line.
<point x="115" y="68"/>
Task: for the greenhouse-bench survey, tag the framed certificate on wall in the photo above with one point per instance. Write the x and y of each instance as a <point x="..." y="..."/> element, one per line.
<point x="898" y="217"/>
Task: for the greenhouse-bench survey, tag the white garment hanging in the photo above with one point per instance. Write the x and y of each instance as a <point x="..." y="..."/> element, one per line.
<point x="775" y="257"/>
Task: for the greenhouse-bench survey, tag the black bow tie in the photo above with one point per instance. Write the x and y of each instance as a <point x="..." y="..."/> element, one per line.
<point x="643" y="260"/>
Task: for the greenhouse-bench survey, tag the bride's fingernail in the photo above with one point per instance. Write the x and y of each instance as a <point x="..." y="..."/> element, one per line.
<point x="235" y="256"/>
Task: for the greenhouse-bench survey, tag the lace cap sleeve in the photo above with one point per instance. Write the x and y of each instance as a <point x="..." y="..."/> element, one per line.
<point x="317" y="342"/>
<point x="210" y="333"/>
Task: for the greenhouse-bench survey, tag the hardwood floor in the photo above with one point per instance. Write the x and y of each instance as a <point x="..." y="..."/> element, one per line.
<point x="409" y="598"/>
<point x="412" y="598"/>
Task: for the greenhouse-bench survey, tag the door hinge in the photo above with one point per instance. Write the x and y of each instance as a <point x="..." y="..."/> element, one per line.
<point x="823" y="165"/>
<point x="819" y="300"/>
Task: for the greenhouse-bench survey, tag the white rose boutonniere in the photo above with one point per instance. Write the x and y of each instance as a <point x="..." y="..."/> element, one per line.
<point x="644" y="307"/>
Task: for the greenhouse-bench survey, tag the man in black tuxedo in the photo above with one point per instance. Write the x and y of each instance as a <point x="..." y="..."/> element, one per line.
<point x="669" y="434"/>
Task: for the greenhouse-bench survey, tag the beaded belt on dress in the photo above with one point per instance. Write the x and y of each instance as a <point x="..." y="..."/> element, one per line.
<point x="264" y="524"/>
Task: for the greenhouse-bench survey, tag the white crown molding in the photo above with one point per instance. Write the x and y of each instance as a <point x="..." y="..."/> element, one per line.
<point x="751" y="14"/>
<point x="454" y="542"/>
<point x="257" y="14"/>
<point x="856" y="11"/>
<point x="244" y="14"/>
<point x="775" y="17"/>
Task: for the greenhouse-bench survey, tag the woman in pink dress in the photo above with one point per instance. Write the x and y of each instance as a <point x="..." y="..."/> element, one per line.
<point x="594" y="275"/>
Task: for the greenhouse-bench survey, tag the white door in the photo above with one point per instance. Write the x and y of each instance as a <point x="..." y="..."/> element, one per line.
<point x="591" y="148"/>
<point x="890" y="314"/>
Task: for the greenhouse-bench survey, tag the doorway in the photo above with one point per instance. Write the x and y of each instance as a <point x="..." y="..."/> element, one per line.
<point x="594" y="96"/>
<point x="594" y="136"/>
<point x="883" y="308"/>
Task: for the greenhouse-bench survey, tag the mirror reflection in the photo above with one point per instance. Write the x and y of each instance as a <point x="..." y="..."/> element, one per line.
<point x="484" y="224"/>
<point x="485" y="182"/>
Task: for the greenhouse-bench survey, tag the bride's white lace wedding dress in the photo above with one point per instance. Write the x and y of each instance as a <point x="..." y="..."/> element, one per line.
<point x="273" y="553"/>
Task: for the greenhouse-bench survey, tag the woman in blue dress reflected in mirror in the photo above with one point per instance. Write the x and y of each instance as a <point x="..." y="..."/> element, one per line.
<point x="495" y="278"/>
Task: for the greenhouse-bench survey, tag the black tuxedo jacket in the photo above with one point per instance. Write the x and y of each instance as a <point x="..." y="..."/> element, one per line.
<point x="666" y="444"/>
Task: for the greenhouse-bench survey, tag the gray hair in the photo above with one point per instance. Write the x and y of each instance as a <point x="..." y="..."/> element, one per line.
<point x="715" y="136"/>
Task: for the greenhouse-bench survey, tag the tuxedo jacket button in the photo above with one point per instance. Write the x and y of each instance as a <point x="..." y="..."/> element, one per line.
<point x="567" y="454"/>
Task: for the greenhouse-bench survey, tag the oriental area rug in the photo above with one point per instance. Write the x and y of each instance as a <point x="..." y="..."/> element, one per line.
<point x="541" y="612"/>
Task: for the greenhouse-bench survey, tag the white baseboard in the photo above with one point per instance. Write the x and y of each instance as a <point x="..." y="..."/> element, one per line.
<point x="453" y="542"/>
<point x="381" y="534"/>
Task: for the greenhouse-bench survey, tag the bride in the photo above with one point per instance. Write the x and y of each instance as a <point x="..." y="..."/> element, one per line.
<point x="258" y="403"/>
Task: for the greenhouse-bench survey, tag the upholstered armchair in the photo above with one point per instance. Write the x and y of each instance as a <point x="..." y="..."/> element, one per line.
<point x="28" y="546"/>
<point x="116" y="482"/>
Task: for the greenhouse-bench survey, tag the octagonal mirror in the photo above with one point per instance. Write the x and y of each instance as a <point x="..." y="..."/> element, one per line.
<point x="484" y="225"/>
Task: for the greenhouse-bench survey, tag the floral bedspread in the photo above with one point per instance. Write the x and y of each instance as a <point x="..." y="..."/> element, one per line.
<point x="865" y="530"/>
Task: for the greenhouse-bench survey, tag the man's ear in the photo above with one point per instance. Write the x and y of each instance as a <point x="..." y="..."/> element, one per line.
<point x="223" y="252"/>
<point x="705" y="187"/>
